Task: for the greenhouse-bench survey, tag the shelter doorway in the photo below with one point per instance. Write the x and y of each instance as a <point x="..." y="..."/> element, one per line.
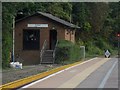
<point x="53" y="39"/>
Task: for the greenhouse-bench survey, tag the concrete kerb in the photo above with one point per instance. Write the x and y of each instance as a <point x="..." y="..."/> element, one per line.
<point x="24" y="81"/>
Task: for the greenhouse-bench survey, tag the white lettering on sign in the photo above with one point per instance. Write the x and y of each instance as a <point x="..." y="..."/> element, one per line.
<point x="37" y="25"/>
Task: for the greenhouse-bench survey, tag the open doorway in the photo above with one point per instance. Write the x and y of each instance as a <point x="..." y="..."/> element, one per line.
<point x="53" y="39"/>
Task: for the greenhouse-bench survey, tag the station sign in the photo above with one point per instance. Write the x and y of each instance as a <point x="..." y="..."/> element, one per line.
<point x="37" y="25"/>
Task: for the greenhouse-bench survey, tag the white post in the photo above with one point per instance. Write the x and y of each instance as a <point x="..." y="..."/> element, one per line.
<point x="83" y="51"/>
<point x="13" y="38"/>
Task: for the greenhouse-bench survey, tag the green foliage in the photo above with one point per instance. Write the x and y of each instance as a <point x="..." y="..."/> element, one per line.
<point x="87" y="26"/>
<point x="98" y="13"/>
<point x="63" y="43"/>
<point x="80" y="42"/>
<point x="67" y="52"/>
<point x="92" y="49"/>
<point x="62" y="10"/>
<point x="112" y="23"/>
<point x="81" y="14"/>
<point x="6" y="48"/>
<point x="8" y="13"/>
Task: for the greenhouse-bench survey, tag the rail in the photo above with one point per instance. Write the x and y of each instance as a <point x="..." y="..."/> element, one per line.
<point x="54" y="51"/>
<point x="43" y="50"/>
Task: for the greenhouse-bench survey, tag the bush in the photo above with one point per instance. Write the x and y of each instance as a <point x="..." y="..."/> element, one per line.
<point x="6" y="48"/>
<point x="93" y="50"/>
<point x="67" y="52"/>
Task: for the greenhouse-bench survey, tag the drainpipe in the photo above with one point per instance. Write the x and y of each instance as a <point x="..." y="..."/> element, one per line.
<point x="13" y="51"/>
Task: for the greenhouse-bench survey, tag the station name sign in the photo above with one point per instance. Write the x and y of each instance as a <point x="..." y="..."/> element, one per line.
<point x="37" y="25"/>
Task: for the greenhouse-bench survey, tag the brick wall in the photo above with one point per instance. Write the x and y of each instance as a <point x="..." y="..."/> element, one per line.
<point x="70" y="35"/>
<point x="33" y="56"/>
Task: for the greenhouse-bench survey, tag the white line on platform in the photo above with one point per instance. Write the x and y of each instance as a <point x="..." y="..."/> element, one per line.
<point x="54" y="74"/>
<point x="102" y="84"/>
<point x="80" y="63"/>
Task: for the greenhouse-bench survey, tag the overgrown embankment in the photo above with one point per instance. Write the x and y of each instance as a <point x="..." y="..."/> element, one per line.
<point x="68" y="52"/>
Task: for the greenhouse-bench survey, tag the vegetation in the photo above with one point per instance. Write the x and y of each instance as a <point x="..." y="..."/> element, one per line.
<point x="67" y="52"/>
<point x="99" y="23"/>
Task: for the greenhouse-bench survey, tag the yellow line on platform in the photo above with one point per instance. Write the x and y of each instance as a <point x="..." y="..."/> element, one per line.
<point x="24" y="81"/>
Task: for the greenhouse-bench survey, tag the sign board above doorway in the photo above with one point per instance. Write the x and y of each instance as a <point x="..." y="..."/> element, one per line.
<point x="37" y="25"/>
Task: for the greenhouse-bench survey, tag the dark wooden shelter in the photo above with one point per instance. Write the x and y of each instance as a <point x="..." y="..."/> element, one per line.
<point x="32" y="31"/>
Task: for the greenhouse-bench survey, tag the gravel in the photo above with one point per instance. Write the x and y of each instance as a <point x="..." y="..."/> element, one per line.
<point x="11" y="74"/>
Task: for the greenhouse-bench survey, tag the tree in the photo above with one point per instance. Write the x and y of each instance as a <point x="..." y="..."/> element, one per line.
<point x="62" y="10"/>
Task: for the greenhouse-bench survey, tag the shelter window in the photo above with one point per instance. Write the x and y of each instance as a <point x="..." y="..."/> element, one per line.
<point x="31" y="39"/>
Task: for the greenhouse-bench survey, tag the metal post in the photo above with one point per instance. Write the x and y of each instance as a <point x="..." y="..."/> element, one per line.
<point x="118" y="48"/>
<point x="83" y="51"/>
<point x="13" y="38"/>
